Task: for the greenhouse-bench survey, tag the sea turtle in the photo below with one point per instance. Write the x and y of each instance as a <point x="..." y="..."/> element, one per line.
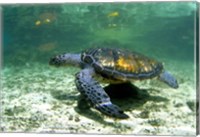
<point x="114" y="66"/>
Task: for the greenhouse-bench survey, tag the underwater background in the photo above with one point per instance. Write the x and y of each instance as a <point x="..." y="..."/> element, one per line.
<point x="36" y="97"/>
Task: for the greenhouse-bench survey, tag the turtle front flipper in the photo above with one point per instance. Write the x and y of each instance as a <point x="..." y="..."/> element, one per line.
<point x="167" y="78"/>
<point x="96" y="95"/>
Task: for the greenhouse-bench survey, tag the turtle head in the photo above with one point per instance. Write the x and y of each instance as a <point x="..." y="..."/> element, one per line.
<point x="55" y="61"/>
<point x="65" y="60"/>
<point x="167" y="78"/>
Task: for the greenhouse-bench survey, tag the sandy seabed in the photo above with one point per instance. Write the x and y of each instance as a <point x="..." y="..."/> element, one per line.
<point x="39" y="98"/>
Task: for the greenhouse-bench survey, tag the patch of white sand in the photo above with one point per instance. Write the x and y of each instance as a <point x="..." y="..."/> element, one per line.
<point x="43" y="99"/>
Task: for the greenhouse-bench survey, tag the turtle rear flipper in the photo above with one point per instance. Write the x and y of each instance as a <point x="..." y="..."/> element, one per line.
<point x="167" y="78"/>
<point x="96" y="95"/>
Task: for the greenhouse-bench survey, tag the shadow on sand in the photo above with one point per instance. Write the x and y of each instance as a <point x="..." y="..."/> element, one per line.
<point x="126" y="96"/>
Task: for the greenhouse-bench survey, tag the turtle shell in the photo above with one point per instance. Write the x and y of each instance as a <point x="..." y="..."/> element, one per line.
<point x="119" y="64"/>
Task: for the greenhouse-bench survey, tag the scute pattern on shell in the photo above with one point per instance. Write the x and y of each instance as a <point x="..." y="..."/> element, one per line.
<point x="121" y="64"/>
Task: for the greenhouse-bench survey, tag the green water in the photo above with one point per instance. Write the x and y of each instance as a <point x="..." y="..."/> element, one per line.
<point x="33" y="33"/>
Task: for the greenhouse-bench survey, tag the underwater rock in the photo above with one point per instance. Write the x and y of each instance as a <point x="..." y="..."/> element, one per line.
<point x="191" y="105"/>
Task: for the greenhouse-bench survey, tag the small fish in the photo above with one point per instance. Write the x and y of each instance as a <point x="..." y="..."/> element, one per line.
<point x="112" y="25"/>
<point x="38" y="22"/>
<point x="41" y="22"/>
<point x="47" y="20"/>
<point x="113" y="14"/>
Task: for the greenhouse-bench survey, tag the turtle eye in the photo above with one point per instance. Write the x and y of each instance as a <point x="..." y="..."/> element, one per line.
<point x="88" y="59"/>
